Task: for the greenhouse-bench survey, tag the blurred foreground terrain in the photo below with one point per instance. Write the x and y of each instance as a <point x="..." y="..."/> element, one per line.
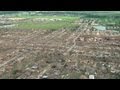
<point x="59" y="45"/>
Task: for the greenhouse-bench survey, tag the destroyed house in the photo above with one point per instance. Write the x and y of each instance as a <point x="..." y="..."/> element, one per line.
<point x="112" y="27"/>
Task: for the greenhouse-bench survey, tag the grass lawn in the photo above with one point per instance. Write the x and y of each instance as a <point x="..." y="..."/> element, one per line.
<point x="66" y="22"/>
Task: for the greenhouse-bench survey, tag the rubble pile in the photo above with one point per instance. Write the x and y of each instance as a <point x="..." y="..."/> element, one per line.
<point x="60" y="54"/>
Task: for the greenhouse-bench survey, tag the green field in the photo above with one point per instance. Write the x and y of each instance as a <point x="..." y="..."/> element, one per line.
<point x="67" y="18"/>
<point x="66" y="22"/>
